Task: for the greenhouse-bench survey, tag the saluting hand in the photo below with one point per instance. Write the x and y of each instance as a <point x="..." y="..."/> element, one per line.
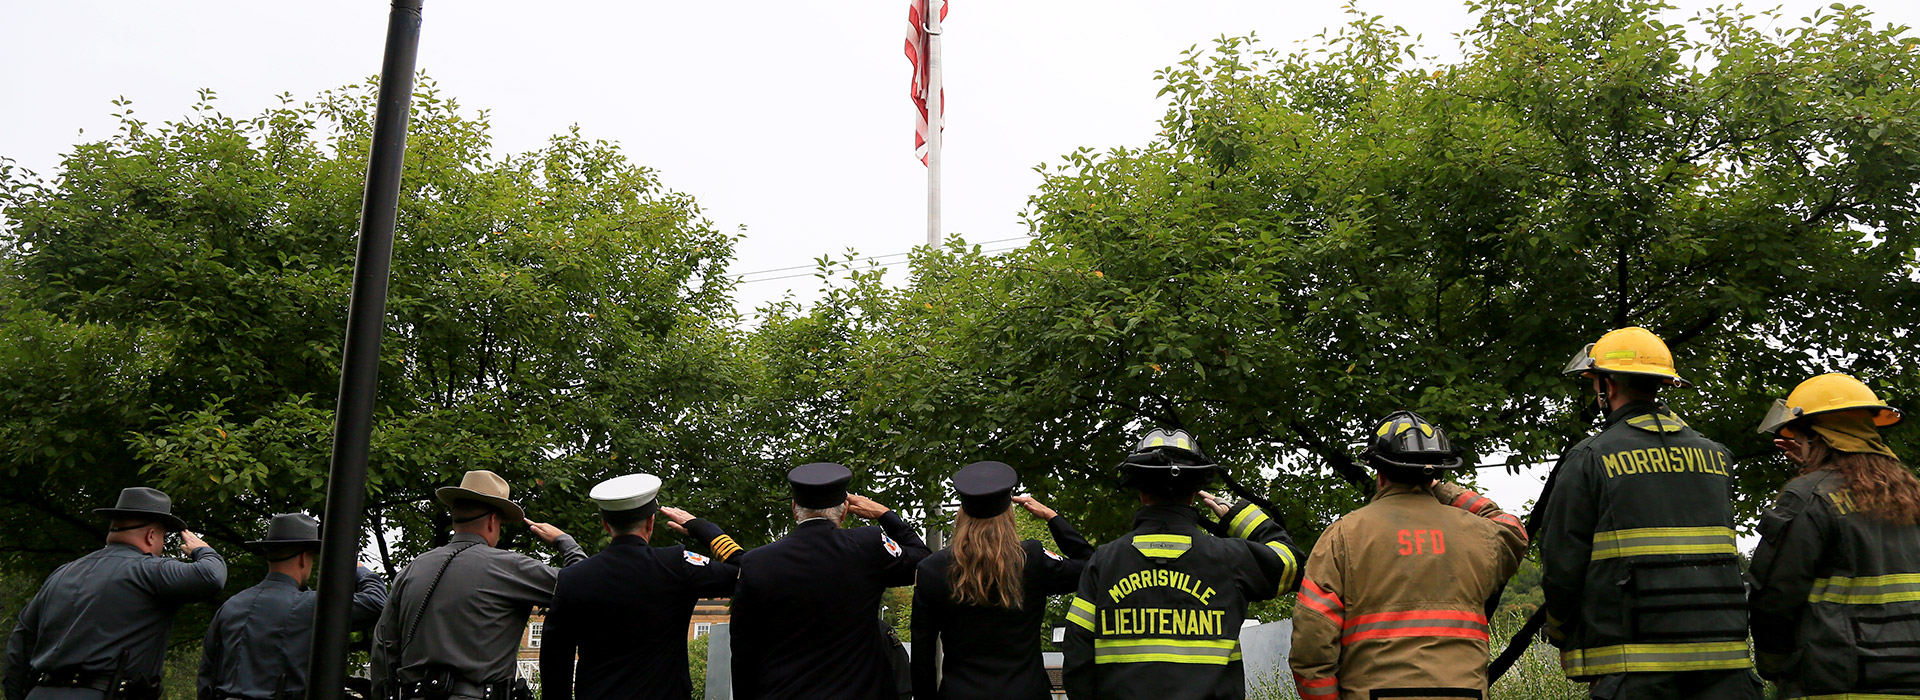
<point x="865" y="507"/>
<point x="1795" y="451"/>
<point x="190" y="541"/>
<point x="1038" y="509"/>
<point x="676" y="518"/>
<point x="1219" y="508"/>
<point x="546" y="533"/>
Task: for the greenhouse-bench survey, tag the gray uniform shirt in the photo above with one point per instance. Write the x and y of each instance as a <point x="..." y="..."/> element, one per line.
<point x="474" y="622"/>
<point x="257" y="645"/>
<point x="93" y="608"/>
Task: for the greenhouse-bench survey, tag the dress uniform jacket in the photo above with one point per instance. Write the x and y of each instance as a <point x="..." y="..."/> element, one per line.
<point x="474" y="622"/>
<point x="108" y="611"/>
<point x="1836" y="607"/>
<point x="257" y="646"/>
<point x="806" y="614"/>
<point x="1395" y="592"/>
<point x="625" y="611"/>
<point x="991" y="653"/>
<point x="1158" y="613"/>
<point x="1638" y="560"/>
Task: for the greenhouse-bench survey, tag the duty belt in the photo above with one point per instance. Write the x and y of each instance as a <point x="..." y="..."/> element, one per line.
<point x="123" y="689"/>
<point x="440" y="689"/>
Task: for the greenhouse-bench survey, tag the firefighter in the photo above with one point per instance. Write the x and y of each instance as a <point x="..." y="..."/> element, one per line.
<point x="1393" y="603"/>
<point x="1836" y="603"/>
<point x="1158" y="613"/>
<point x="1644" y="594"/>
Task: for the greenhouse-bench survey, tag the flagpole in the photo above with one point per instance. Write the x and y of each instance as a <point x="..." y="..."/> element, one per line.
<point x="936" y="120"/>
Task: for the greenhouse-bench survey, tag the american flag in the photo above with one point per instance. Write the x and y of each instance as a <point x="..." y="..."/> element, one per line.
<point x="917" y="54"/>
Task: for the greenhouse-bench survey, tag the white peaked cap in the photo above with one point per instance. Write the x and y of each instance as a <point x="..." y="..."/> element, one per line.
<point x="626" y="492"/>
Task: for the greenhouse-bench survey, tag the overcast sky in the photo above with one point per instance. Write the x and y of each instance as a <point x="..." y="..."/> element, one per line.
<point x="789" y="119"/>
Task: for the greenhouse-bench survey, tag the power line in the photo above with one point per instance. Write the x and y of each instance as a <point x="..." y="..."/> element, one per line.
<point x="852" y="269"/>
<point x="869" y="258"/>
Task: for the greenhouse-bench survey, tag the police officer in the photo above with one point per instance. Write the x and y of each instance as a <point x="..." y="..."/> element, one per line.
<point x="625" y="610"/>
<point x="1836" y="611"/>
<point x="806" y="614"/>
<point x="256" y="647"/>
<point x="1642" y="578"/>
<point x="98" y="627"/>
<point x="980" y="601"/>
<point x="1158" y="613"/>
<point x="1393" y="599"/>
<point x="458" y="612"/>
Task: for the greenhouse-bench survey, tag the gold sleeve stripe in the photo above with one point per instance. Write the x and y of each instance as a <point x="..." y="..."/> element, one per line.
<point x="724" y="547"/>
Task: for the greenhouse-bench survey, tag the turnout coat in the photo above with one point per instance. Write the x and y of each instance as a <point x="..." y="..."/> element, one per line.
<point x="1836" y="602"/>
<point x="990" y="653"/>
<point x="806" y="615"/>
<point x="1158" y="613"/>
<point x="1395" y="593"/>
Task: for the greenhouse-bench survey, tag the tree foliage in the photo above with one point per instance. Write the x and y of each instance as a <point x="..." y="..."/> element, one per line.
<point x="175" y="306"/>
<point x="1320" y="237"/>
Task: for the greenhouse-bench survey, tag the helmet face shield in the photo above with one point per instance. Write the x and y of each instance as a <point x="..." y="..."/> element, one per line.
<point x="1161" y="448"/>
<point x="1581" y="362"/>
<point x="1778" y="416"/>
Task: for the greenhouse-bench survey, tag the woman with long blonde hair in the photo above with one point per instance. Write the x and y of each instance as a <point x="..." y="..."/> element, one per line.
<point x="1836" y="605"/>
<point x="978" y="605"/>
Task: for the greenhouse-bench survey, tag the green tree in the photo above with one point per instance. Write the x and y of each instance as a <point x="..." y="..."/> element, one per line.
<point x="1320" y="237"/>
<point x="175" y="299"/>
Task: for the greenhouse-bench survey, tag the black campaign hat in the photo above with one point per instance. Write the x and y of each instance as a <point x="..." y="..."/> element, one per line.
<point x="986" y="488"/>
<point x="291" y="530"/>
<point x="819" y="485"/>
<point x="142" y="503"/>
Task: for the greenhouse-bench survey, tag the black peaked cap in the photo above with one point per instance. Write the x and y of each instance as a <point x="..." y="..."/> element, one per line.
<point x="819" y="485"/>
<point x="986" y="488"/>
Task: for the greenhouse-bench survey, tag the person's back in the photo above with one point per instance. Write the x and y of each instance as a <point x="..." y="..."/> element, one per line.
<point x="1836" y="597"/>
<point x="457" y="613"/>
<point x="806" y="614"/>
<point x="989" y="649"/>
<point x="106" y="618"/>
<point x="1395" y="593"/>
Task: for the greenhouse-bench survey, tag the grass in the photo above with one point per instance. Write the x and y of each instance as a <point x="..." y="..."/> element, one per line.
<point x="1536" y="676"/>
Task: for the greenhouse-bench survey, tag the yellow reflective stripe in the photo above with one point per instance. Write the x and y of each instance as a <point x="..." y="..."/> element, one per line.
<point x="1665" y="423"/>
<point x="1244" y="523"/>
<point x="1636" y="658"/>
<point x="1081" y="614"/>
<point x="1163" y="546"/>
<point x="1866" y="590"/>
<point x="1217" y="652"/>
<point x="1289" y="566"/>
<point x="1638" y="542"/>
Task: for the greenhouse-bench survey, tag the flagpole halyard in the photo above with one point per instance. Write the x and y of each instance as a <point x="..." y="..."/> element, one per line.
<point x="936" y="119"/>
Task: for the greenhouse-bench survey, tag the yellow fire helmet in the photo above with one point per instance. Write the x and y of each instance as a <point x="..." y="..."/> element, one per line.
<point x="1827" y="393"/>
<point x="1627" y="351"/>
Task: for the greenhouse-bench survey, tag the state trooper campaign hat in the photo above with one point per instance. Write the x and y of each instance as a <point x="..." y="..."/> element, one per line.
<point x="290" y="530"/>
<point x="986" y="488"/>
<point x="485" y="488"/>
<point x="142" y="503"/>
<point x="819" y="485"/>
<point x="636" y="493"/>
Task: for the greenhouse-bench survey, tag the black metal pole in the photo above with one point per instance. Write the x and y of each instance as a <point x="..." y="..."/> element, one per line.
<point x="360" y="360"/>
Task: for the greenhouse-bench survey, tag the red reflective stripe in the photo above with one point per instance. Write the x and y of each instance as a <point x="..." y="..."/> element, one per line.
<point x="1318" y="687"/>
<point x="1463" y="615"/>
<point x="1514" y="522"/>
<point x="1315" y="605"/>
<point x="1322" y="592"/>
<point x="1461" y="501"/>
<point x="1415" y="632"/>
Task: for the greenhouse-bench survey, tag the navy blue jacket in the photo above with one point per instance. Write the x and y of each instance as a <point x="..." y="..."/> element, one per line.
<point x="805" y="618"/>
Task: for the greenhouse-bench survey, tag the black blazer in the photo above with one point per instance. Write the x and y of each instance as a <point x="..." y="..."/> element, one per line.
<point x="805" y="615"/>
<point x="990" y="653"/>
<point x="626" y="610"/>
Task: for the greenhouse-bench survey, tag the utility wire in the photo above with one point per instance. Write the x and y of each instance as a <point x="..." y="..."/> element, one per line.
<point x="861" y="268"/>
<point x="743" y="275"/>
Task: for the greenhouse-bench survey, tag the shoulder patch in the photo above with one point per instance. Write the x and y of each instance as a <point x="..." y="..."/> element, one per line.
<point x="1050" y="553"/>
<point x="696" y="559"/>
<point x="893" y="548"/>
